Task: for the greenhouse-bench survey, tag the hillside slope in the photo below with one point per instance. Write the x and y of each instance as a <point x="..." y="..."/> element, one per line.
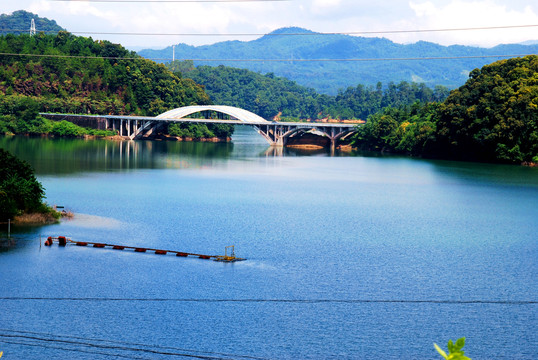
<point x="274" y="97"/>
<point x="89" y="83"/>
<point x="83" y="76"/>
<point x="493" y="117"/>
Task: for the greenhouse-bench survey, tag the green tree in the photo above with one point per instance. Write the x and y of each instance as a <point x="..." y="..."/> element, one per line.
<point x="19" y="189"/>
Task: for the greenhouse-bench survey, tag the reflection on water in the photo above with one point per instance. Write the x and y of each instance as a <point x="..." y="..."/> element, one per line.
<point x="7" y="243"/>
<point x="67" y="156"/>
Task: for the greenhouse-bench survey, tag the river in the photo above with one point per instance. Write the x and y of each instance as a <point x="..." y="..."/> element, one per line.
<point x="351" y="256"/>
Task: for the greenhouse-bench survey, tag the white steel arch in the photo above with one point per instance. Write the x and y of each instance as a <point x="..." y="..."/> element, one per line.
<point x="239" y="114"/>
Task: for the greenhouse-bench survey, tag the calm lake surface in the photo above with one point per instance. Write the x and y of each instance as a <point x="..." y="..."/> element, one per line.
<point x="349" y="256"/>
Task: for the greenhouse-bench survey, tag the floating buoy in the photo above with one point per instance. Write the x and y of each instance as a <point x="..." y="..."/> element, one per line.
<point x="205" y="257"/>
<point x="182" y="254"/>
<point x="62" y="241"/>
<point x="98" y="245"/>
<point x="48" y="242"/>
<point x="160" y="252"/>
<point x="118" y="247"/>
<point x="140" y="250"/>
<point x="81" y="243"/>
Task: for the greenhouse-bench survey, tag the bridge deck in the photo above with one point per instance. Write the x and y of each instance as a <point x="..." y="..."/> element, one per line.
<point x="276" y="133"/>
<point x="208" y="121"/>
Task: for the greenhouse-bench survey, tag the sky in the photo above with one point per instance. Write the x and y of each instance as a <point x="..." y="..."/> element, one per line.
<point x="181" y="19"/>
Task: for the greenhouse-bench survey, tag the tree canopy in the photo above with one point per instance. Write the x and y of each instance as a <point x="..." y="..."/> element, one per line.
<point x="101" y="77"/>
<point x="494" y="116"/>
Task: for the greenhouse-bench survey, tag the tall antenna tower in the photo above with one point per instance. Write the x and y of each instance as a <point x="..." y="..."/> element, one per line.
<point x="32" y="28"/>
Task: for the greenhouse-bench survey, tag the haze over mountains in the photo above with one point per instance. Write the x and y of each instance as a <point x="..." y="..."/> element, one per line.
<point x="330" y="76"/>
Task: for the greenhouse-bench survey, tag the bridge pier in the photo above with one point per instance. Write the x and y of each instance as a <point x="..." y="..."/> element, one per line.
<point x="278" y="134"/>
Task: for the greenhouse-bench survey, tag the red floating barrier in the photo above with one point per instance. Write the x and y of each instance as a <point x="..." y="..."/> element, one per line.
<point x="62" y="241"/>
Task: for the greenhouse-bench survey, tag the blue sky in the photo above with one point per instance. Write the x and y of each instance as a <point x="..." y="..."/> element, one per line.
<point x="316" y="15"/>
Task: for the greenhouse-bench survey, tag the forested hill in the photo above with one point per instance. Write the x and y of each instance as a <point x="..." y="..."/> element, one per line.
<point x="493" y="117"/>
<point x="329" y="76"/>
<point x="19" y="23"/>
<point x="94" y="81"/>
<point x="278" y="98"/>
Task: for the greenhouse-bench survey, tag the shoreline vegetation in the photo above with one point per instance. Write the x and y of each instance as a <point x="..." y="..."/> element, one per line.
<point x="41" y="218"/>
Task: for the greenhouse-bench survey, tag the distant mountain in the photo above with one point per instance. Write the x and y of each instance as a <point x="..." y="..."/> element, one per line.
<point x="330" y="76"/>
<point x="20" y="21"/>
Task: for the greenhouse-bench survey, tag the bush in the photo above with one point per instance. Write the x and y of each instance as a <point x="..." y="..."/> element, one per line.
<point x="196" y="131"/>
<point x="67" y="129"/>
<point x="455" y="351"/>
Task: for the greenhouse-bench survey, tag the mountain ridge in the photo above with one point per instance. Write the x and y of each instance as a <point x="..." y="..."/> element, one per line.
<point x="374" y="58"/>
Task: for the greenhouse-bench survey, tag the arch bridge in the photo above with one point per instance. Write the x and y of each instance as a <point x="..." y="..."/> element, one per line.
<point x="276" y="133"/>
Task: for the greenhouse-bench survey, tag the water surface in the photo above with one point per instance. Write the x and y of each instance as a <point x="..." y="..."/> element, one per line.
<point x="349" y="256"/>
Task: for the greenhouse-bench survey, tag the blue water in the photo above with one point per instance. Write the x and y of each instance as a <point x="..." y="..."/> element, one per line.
<point x="350" y="256"/>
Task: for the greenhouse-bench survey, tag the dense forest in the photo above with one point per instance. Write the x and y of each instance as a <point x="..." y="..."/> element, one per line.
<point x="493" y="117"/>
<point x="84" y="76"/>
<point x="278" y="98"/>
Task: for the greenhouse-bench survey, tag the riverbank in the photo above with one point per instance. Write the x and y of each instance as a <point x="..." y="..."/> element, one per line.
<point x="42" y="218"/>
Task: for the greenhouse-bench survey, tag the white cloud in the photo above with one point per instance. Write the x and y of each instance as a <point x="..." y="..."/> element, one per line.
<point x="39" y="7"/>
<point x="474" y="14"/>
<point x="323" y="5"/>
<point x="316" y="15"/>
